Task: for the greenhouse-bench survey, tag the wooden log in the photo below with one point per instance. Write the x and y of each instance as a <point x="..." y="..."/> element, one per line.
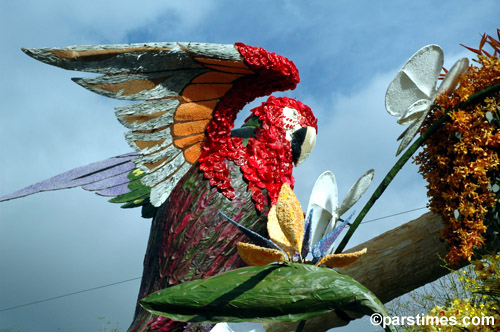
<point x="397" y="262"/>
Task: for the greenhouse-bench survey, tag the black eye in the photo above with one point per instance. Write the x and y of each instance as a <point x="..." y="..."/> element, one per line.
<point x="298" y="138"/>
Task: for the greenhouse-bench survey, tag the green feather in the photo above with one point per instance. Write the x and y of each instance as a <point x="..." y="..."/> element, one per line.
<point x="138" y="195"/>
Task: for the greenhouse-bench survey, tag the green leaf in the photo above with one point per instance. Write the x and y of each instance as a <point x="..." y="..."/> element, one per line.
<point x="284" y="292"/>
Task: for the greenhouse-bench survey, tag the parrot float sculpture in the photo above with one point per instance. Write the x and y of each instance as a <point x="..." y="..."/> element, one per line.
<point x="189" y="163"/>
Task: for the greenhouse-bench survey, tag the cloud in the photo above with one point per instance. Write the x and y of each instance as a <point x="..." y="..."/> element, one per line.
<point x="59" y="242"/>
<point x="79" y="22"/>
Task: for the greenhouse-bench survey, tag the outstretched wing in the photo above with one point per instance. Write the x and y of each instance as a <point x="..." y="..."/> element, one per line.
<point x="191" y="93"/>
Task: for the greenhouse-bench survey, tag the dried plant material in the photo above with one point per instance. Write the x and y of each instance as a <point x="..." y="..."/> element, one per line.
<point x="460" y="161"/>
<point x="339" y="260"/>
<point x="255" y="255"/>
<point x="275" y="233"/>
<point x="290" y="216"/>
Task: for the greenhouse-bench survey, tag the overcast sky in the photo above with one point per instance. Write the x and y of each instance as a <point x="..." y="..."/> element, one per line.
<point x="347" y="52"/>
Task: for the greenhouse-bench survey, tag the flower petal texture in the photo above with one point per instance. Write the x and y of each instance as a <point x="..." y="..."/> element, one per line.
<point x="276" y="234"/>
<point x="323" y="202"/>
<point x="324" y="246"/>
<point x="290" y="216"/>
<point x="461" y="160"/>
<point x="410" y="132"/>
<point x="257" y="256"/>
<point x="413" y="91"/>
<point x="356" y="191"/>
<point x="414" y="111"/>
<point x="451" y="80"/>
<point x="339" y="260"/>
<point x="415" y="81"/>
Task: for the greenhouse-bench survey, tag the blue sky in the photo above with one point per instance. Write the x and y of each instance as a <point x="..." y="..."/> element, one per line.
<point x="347" y="52"/>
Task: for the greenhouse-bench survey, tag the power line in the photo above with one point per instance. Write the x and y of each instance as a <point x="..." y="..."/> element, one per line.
<point x="128" y="280"/>
<point x="392" y="215"/>
<point x="69" y="294"/>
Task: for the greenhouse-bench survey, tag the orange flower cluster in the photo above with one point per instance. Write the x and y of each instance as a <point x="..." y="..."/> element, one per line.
<point x="461" y="160"/>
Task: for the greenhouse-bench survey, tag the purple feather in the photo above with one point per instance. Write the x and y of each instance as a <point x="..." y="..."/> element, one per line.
<point x="114" y="191"/>
<point x="320" y="249"/>
<point x="110" y="182"/>
<point x="81" y="176"/>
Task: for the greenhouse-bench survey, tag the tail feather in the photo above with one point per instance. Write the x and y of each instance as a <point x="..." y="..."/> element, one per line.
<point x="104" y="177"/>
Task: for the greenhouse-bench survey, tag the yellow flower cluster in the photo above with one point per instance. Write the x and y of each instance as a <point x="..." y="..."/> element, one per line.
<point x="488" y="269"/>
<point x="461" y="309"/>
<point x="480" y="304"/>
<point x="460" y="160"/>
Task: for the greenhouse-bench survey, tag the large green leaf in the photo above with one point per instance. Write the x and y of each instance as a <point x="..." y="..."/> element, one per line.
<point x="273" y="293"/>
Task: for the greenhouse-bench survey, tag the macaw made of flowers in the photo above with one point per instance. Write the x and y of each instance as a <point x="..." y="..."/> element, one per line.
<point x="307" y="240"/>
<point x="413" y="91"/>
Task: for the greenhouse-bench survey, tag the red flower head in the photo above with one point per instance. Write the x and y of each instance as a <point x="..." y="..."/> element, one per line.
<point x="268" y="162"/>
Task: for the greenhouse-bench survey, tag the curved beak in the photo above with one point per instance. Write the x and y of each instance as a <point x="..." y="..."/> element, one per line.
<point x="302" y="143"/>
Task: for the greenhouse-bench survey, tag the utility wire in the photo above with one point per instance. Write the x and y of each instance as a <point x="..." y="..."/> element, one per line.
<point x="69" y="294"/>
<point x="128" y="280"/>
<point x="392" y="215"/>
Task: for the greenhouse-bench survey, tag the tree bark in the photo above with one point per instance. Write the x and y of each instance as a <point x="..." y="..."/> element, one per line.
<point x="398" y="261"/>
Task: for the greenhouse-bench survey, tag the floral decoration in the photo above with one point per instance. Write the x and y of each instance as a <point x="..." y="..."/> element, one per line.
<point x="290" y="237"/>
<point x="461" y="160"/>
<point x="482" y="300"/>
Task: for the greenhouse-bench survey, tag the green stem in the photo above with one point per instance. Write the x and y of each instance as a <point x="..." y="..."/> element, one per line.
<point x="301" y="325"/>
<point x="404" y="158"/>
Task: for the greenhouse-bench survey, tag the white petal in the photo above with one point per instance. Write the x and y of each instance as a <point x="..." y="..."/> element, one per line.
<point x="238" y="327"/>
<point x="410" y="133"/>
<point x="415" y="81"/>
<point x="324" y="202"/>
<point x="450" y="82"/>
<point x="356" y="191"/>
<point x="415" y="111"/>
<point x="403" y="133"/>
<point x="321" y="222"/>
<point x="424" y="67"/>
<point x="325" y="192"/>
